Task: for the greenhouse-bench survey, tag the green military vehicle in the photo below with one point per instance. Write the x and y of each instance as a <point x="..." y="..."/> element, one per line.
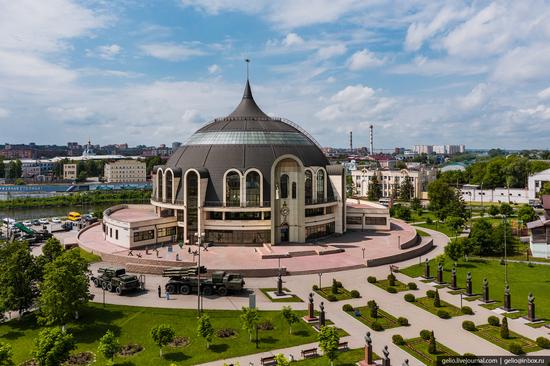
<point x="186" y="280"/>
<point x="116" y="280"/>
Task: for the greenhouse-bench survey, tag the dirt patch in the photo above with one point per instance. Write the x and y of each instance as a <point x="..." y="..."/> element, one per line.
<point x="179" y="341"/>
<point x="80" y="359"/>
<point x="130" y="349"/>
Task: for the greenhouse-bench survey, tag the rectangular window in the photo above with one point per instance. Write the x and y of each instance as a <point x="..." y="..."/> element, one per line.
<point x="375" y="221"/>
<point x="111" y="232"/>
<point x="116" y="234"/>
<point x="166" y="231"/>
<point x="354" y="220"/>
<point x="144" y="235"/>
<point x="315" y="212"/>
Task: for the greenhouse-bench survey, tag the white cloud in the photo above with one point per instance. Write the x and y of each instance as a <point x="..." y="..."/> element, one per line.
<point x="44" y="26"/>
<point x="70" y="114"/>
<point x="363" y="59"/>
<point x="419" y="32"/>
<point x="331" y="51"/>
<point x="4" y="113"/>
<point x="540" y="111"/>
<point x="292" y="39"/>
<point x="286" y="14"/>
<point x="422" y="65"/>
<point x="170" y="51"/>
<point x="214" y="69"/>
<point x="544" y="94"/>
<point x="524" y="64"/>
<point x="476" y="98"/>
<point x="108" y="52"/>
<point x="353" y="103"/>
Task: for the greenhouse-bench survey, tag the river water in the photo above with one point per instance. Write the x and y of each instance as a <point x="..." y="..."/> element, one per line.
<point x="39" y="212"/>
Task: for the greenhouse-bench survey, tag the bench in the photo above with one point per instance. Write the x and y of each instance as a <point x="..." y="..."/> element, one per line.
<point x="309" y="353"/>
<point x="268" y="361"/>
<point x="394" y="268"/>
<point x="343" y="346"/>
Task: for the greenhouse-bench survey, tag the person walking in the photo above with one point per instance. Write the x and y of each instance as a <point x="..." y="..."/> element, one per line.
<point x="159" y="292"/>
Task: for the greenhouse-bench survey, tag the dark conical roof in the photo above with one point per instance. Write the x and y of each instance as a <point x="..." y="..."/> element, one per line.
<point x="248" y="107"/>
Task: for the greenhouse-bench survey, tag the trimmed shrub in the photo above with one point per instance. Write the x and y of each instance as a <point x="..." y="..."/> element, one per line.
<point x="398" y="339"/>
<point x="543" y="342"/>
<point x="331" y="298"/>
<point x="403" y="321"/>
<point x="430" y="294"/>
<point x="425" y="334"/>
<point x="371" y="279"/>
<point x="377" y="327"/>
<point x="412" y="286"/>
<point x="516" y="349"/>
<point x="347" y="307"/>
<point x="493" y="320"/>
<point x="443" y="314"/>
<point x="392" y="290"/>
<point x="432" y="346"/>
<point x="355" y="294"/>
<point x="409" y="298"/>
<point x="467" y="310"/>
<point x="391" y="279"/>
<point x="429" y="220"/>
<point x="468" y="325"/>
<point x="339" y="284"/>
<point x="315" y="288"/>
<point x="504" y="331"/>
<point x="371" y="304"/>
<point x="334" y="288"/>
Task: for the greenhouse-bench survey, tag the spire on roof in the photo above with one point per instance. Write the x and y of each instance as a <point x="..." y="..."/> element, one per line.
<point x="247" y="107"/>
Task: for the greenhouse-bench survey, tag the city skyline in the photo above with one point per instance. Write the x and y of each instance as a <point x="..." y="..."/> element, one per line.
<point x="421" y="72"/>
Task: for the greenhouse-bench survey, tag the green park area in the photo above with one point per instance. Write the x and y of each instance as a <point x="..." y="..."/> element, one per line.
<point x="397" y="285"/>
<point x="376" y="319"/>
<point x="522" y="279"/>
<point x="132" y="325"/>
<point x="444" y="310"/>
<point x="420" y="349"/>
<point x="344" y="358"/>
<point x="336" y="292"/>
<point x="492" y="334"/>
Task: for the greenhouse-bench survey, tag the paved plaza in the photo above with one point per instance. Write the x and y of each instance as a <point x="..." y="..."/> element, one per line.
<point x="349" y="251"/>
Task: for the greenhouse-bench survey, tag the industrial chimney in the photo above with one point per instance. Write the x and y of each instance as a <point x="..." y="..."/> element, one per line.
<point x="371" y="140"/>
<point x="351" y="141"/>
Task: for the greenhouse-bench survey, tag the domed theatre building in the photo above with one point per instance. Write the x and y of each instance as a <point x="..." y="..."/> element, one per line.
<point x="249" y="179"/>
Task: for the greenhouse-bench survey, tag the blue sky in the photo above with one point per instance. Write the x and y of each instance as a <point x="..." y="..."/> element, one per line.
<point x="151" y="72"/>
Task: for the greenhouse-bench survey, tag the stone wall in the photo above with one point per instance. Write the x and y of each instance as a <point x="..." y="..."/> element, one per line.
<point x="425" y="246"/>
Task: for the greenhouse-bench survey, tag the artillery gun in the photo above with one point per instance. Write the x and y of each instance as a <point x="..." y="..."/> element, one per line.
<point x="116" y="280"/>
<point x="186" y="280"/>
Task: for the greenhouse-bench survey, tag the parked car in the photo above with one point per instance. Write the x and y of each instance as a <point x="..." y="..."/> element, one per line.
<point x="44" y="221"/>
<point x="56" y="220"/>
<point x="36" y="222"/>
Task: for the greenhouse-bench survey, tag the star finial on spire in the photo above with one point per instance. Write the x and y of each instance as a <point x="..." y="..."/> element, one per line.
<point x="247" y="60"/>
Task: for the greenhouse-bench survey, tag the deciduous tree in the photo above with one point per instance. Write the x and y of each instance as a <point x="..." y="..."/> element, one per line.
<point x="249" y="320"/>
<point x="205" y="329"/>
<point x="328" y="342"/>
<point x="162" y="335"/>
<point x="290" y="316"/>
<point x="108" y="346"/>
<point x="52" y="347"/>
<point x="6" y="355"/>
<point x="17" y="273"/>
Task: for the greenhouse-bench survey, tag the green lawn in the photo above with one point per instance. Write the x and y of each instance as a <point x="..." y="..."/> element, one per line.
<point x="89" y="257"/>
<point x="133" y="324"/>
<point x="425" y="214"/>
<point x="399" y="286"/>
<point x="439" y="227"/>
<point x="521" y="278"/>
<point x="386" y="320"/>
<point x="427" y="304"/>
<point x="492" y="334"/>
<point x="345" y="358"/>
<point x="418" y="348"/>
<point x="342" y="294"/>
<point x="422" y="233"/>
<point x="294" y="298"/>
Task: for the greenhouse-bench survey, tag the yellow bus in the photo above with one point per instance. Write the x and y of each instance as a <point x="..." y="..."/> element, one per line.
<point x="73" y="216"/>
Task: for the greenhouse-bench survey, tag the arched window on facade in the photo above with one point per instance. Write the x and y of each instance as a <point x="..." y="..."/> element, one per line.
<point x="293" y="190"/>
<point x="233" y="189"/>
<point x="284" y="186"/>
<point x="169" y="184"/>
<point x="320" y="186"/>
<point x="160" y="184"/>
<point x="308" y="187"/>
<point x="253" y="189"/>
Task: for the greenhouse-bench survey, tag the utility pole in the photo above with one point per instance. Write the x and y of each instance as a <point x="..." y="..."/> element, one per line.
<point x="505" y="257"/>
<point x="199" y="239"/>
